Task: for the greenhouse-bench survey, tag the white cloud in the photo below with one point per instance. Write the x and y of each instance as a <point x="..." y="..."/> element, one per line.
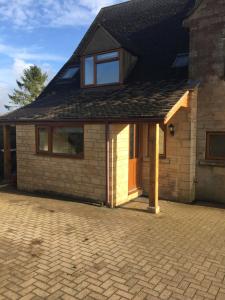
<point x="28" y="54"/>
<point x="52" y="13"/>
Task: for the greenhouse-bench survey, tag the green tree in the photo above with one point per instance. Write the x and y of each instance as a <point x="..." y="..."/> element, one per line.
<point x="30" y="86"/>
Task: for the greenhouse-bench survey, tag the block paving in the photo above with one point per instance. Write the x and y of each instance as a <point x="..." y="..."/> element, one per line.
<point x="52" y="249"/>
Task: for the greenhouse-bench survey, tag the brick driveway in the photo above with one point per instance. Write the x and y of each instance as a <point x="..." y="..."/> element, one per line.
<point x="52" y="249"/>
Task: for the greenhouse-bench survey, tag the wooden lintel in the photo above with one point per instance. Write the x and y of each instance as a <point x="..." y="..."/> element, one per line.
<point x="154" y="168"/>
<point x="183" y="102"/>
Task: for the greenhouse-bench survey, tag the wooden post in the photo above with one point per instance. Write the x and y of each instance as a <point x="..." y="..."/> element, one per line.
<point x="7" y="153"/>
<point x="154" y="168"/>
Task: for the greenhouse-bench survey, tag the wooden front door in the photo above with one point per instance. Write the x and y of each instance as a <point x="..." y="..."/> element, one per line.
<point x="134" y="158"/>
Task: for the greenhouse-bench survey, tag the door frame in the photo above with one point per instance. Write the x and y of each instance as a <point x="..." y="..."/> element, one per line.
<point x="137" y="151"/>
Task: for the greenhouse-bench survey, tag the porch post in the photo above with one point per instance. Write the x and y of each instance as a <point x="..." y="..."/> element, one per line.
<point x="154" y="168"/>
<point x="7" y="152"/>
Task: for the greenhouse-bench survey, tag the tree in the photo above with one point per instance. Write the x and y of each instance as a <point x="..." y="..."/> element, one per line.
<point x="30" y="86"/>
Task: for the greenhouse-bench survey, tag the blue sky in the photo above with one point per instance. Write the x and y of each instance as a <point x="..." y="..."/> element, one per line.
<point x="41" y="32"/>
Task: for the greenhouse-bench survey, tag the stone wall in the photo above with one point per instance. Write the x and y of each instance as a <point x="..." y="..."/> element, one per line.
<point x="207" y="63"/>
<point x="77" y="177"/>
<point x="177" y="171"/>
<point x="119" y="162"/>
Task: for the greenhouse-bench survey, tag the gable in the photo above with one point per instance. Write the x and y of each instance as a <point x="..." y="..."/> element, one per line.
<point x="101" y="40"/>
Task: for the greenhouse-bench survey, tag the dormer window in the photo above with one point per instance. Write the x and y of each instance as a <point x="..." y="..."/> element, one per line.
<point x="101" y="69"/>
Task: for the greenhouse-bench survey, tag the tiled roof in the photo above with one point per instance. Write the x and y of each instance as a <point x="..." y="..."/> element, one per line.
<point x="150" y="29"/>
<point x="141" y="100"/>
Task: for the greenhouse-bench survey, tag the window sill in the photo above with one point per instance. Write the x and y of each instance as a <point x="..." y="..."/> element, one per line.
<point x="60" y="155"/>
<point x="93" y="86"/>
<point x="212" y="163"/>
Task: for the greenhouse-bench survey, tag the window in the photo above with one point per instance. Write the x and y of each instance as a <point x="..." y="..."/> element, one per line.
<point x="101" y="69"/>
<point x="134" y="141"/>
<point x="70" y="73"/>
<point x="64" y="141"/>
<point x="181" y="61"/>
<point x="215" y="145"/>
<point x="67" y="140"/>
<point x="43" y="139"/>
<point x="108" y="72"/>
<point x="89" y="70"/>
<point x="162" y="141"/>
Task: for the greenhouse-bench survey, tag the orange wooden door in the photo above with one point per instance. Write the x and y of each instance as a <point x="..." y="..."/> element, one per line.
<point x="133" y="158"/>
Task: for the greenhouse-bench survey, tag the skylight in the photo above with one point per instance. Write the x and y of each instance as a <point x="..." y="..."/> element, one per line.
<point x="181" y="61"/>
<point x="70" y="73"/>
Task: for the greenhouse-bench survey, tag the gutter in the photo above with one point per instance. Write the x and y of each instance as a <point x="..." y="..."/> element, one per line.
<point x="81" y="121"/>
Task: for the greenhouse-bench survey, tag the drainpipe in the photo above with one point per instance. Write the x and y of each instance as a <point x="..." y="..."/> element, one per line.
<point x="107" y="202"/>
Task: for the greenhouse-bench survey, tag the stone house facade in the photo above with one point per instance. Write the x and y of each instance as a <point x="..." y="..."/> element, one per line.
<point x="207" y="64"/>
<point x="130" y="114"/>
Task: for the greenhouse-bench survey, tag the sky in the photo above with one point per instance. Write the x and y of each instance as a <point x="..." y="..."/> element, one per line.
<point x="40" y="32"/>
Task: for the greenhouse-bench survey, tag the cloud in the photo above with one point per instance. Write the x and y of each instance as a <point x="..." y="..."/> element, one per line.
<point x="28" y="54"/>
<point x="31" y="14"/>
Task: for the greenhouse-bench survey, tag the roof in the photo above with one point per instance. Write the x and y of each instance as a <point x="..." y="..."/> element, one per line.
<point x="150" y="100"/>
<point x="150" y="29"/>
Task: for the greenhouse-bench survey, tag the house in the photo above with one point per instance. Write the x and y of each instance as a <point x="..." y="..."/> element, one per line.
<point x="138" y="109"/>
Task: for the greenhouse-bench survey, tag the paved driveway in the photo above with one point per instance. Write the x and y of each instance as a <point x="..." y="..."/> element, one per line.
<point x="52" y="249"/>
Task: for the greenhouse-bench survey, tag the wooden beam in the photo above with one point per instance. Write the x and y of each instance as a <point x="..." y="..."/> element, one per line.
<point x="183" y="102"/>
<point x="154" y="168"/>
<point x="7" y="153"/>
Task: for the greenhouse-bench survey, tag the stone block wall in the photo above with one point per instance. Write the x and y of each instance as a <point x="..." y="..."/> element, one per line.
<point x="207" y="64"/>
<point x="119" y="163"/>
<point x="77" y="177"/>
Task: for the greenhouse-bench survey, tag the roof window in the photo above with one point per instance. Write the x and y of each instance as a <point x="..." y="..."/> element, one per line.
<point x="70" y="73"/>
<point x="181" y="61"/>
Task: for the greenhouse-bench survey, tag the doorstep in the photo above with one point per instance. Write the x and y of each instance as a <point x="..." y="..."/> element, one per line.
<point x="135" y="194"/>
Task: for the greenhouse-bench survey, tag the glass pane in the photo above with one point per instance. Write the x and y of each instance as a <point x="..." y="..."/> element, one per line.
<point x="68" y="140"/>
<point x="132" y="141"/>
<point x="70" y="73"/>
<point x="89" y="70"/>
<point x="181" y="61"/>
<point x="161" y="141"/>
<point x="217" y="145"/>
<point x="43" y="139"/>
<point x="108" y="72"/>
<point x="108" y="55"/>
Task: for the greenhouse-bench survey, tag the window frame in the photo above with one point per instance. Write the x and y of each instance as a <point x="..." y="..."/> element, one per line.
<point x="207" y="154"/>
<point x="50" y="129"/>
<point x="38" y="139"/>
<point x="96" y="62"/>
<point x="164" y="128"/>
